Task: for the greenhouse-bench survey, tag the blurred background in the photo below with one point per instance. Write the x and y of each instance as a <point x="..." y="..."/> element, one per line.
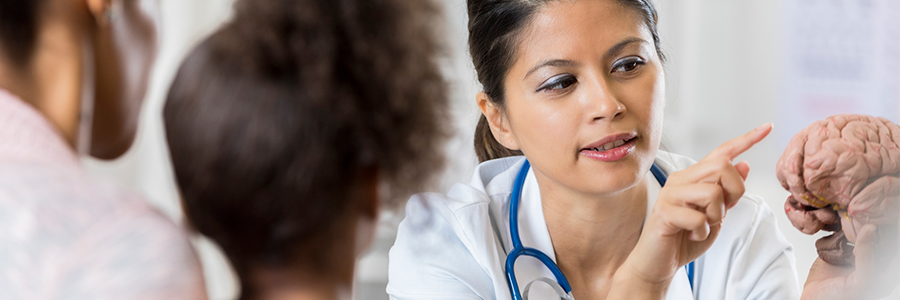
<point x="732" y="65"/>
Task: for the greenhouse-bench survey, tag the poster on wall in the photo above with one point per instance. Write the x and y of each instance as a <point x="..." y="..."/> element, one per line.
<point x="840" y="56"/>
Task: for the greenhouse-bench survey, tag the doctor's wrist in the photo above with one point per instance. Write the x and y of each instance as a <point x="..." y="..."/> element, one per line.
<point x="629" y="284"/>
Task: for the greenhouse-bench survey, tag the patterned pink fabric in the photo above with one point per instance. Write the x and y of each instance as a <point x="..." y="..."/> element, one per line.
<point x="64" y="236"/>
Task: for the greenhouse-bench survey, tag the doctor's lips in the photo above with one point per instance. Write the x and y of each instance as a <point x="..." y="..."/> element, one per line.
<point x="611" y="148"/>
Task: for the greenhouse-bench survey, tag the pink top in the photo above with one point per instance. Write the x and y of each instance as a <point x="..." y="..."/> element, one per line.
<point x="64" y="236"/>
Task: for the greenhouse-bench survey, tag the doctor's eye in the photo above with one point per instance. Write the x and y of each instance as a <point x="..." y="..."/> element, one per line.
<point x="629" y="64"/>
<point x="557" y="83"/>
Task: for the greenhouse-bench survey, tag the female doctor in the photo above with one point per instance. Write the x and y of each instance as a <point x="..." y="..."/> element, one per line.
<point x="572" y="116"/>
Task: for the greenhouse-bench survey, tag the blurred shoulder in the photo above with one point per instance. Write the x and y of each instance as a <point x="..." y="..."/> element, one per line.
<point x="76" y="238"/>
<point x="134" y="253"/>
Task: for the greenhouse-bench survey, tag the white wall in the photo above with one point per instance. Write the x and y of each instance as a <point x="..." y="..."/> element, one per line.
<point x="724" y="77"/>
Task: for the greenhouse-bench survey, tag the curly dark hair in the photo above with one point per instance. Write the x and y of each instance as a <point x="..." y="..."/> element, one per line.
<point x="274" y="118"/>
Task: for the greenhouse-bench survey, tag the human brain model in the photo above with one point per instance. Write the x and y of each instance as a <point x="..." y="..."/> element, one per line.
<point x="843" y="172"/>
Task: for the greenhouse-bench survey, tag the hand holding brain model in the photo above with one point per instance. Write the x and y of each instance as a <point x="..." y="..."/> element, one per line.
<point x="843" y="173"/>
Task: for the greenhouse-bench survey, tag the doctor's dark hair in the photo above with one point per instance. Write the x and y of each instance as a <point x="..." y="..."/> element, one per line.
<point x="275" y="121"/>
<point x="494" y="30"/>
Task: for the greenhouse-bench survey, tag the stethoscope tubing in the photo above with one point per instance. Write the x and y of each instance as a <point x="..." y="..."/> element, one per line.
<point x="518" y="249"/>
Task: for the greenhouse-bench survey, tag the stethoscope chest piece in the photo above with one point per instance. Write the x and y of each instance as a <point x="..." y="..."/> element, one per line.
<point x="553" y="284"/>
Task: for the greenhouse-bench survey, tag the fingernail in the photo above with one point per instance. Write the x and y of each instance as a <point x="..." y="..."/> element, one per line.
<point x="765" y="126"/>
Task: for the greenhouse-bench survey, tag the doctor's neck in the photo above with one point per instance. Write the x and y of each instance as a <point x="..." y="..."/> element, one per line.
<point x="610" y="210"/>
<point x="592" y="236"/>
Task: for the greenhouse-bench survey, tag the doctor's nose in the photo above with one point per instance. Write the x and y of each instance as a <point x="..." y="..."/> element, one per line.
<point x="603" y="104"/>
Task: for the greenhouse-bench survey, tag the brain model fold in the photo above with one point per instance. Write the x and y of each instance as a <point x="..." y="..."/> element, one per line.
<point x="843" y="172"/>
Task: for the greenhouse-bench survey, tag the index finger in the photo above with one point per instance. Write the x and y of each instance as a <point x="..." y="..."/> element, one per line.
<point x="731" y="149"/>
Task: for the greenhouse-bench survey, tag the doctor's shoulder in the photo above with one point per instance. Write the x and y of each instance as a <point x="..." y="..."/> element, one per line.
<point x="751" y="258"/>
<point x="450" y="240"/>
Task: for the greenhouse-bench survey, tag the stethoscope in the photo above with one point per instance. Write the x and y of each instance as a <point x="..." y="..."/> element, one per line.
<point x="562" y="287"/>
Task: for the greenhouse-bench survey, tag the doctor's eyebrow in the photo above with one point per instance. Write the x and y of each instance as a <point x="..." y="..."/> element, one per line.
<point x="621" y="45"/>
<point x="551" y="63"/>
<point x="569" y="63"/>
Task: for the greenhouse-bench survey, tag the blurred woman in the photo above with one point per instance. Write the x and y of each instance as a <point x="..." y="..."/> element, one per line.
<point x="72" y="77"/>
<point x="292" y="125"/>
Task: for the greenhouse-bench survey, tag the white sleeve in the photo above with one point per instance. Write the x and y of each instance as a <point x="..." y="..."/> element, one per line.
<point x="763" y="264"/>
<point x="429" y="260"/>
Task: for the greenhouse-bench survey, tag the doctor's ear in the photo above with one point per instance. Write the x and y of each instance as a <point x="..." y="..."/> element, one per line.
<point x="498" y="124"/>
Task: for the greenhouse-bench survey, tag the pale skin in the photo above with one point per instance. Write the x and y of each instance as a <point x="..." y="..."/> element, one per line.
<point x="584" y="70"/>
<point x="98" y="48"/>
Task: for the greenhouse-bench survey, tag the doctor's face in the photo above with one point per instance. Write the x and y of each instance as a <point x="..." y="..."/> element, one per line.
<point x="585" y="96"/>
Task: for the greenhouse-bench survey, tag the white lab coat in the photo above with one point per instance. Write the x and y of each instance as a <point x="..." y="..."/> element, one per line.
<point x="454" y="246"/>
